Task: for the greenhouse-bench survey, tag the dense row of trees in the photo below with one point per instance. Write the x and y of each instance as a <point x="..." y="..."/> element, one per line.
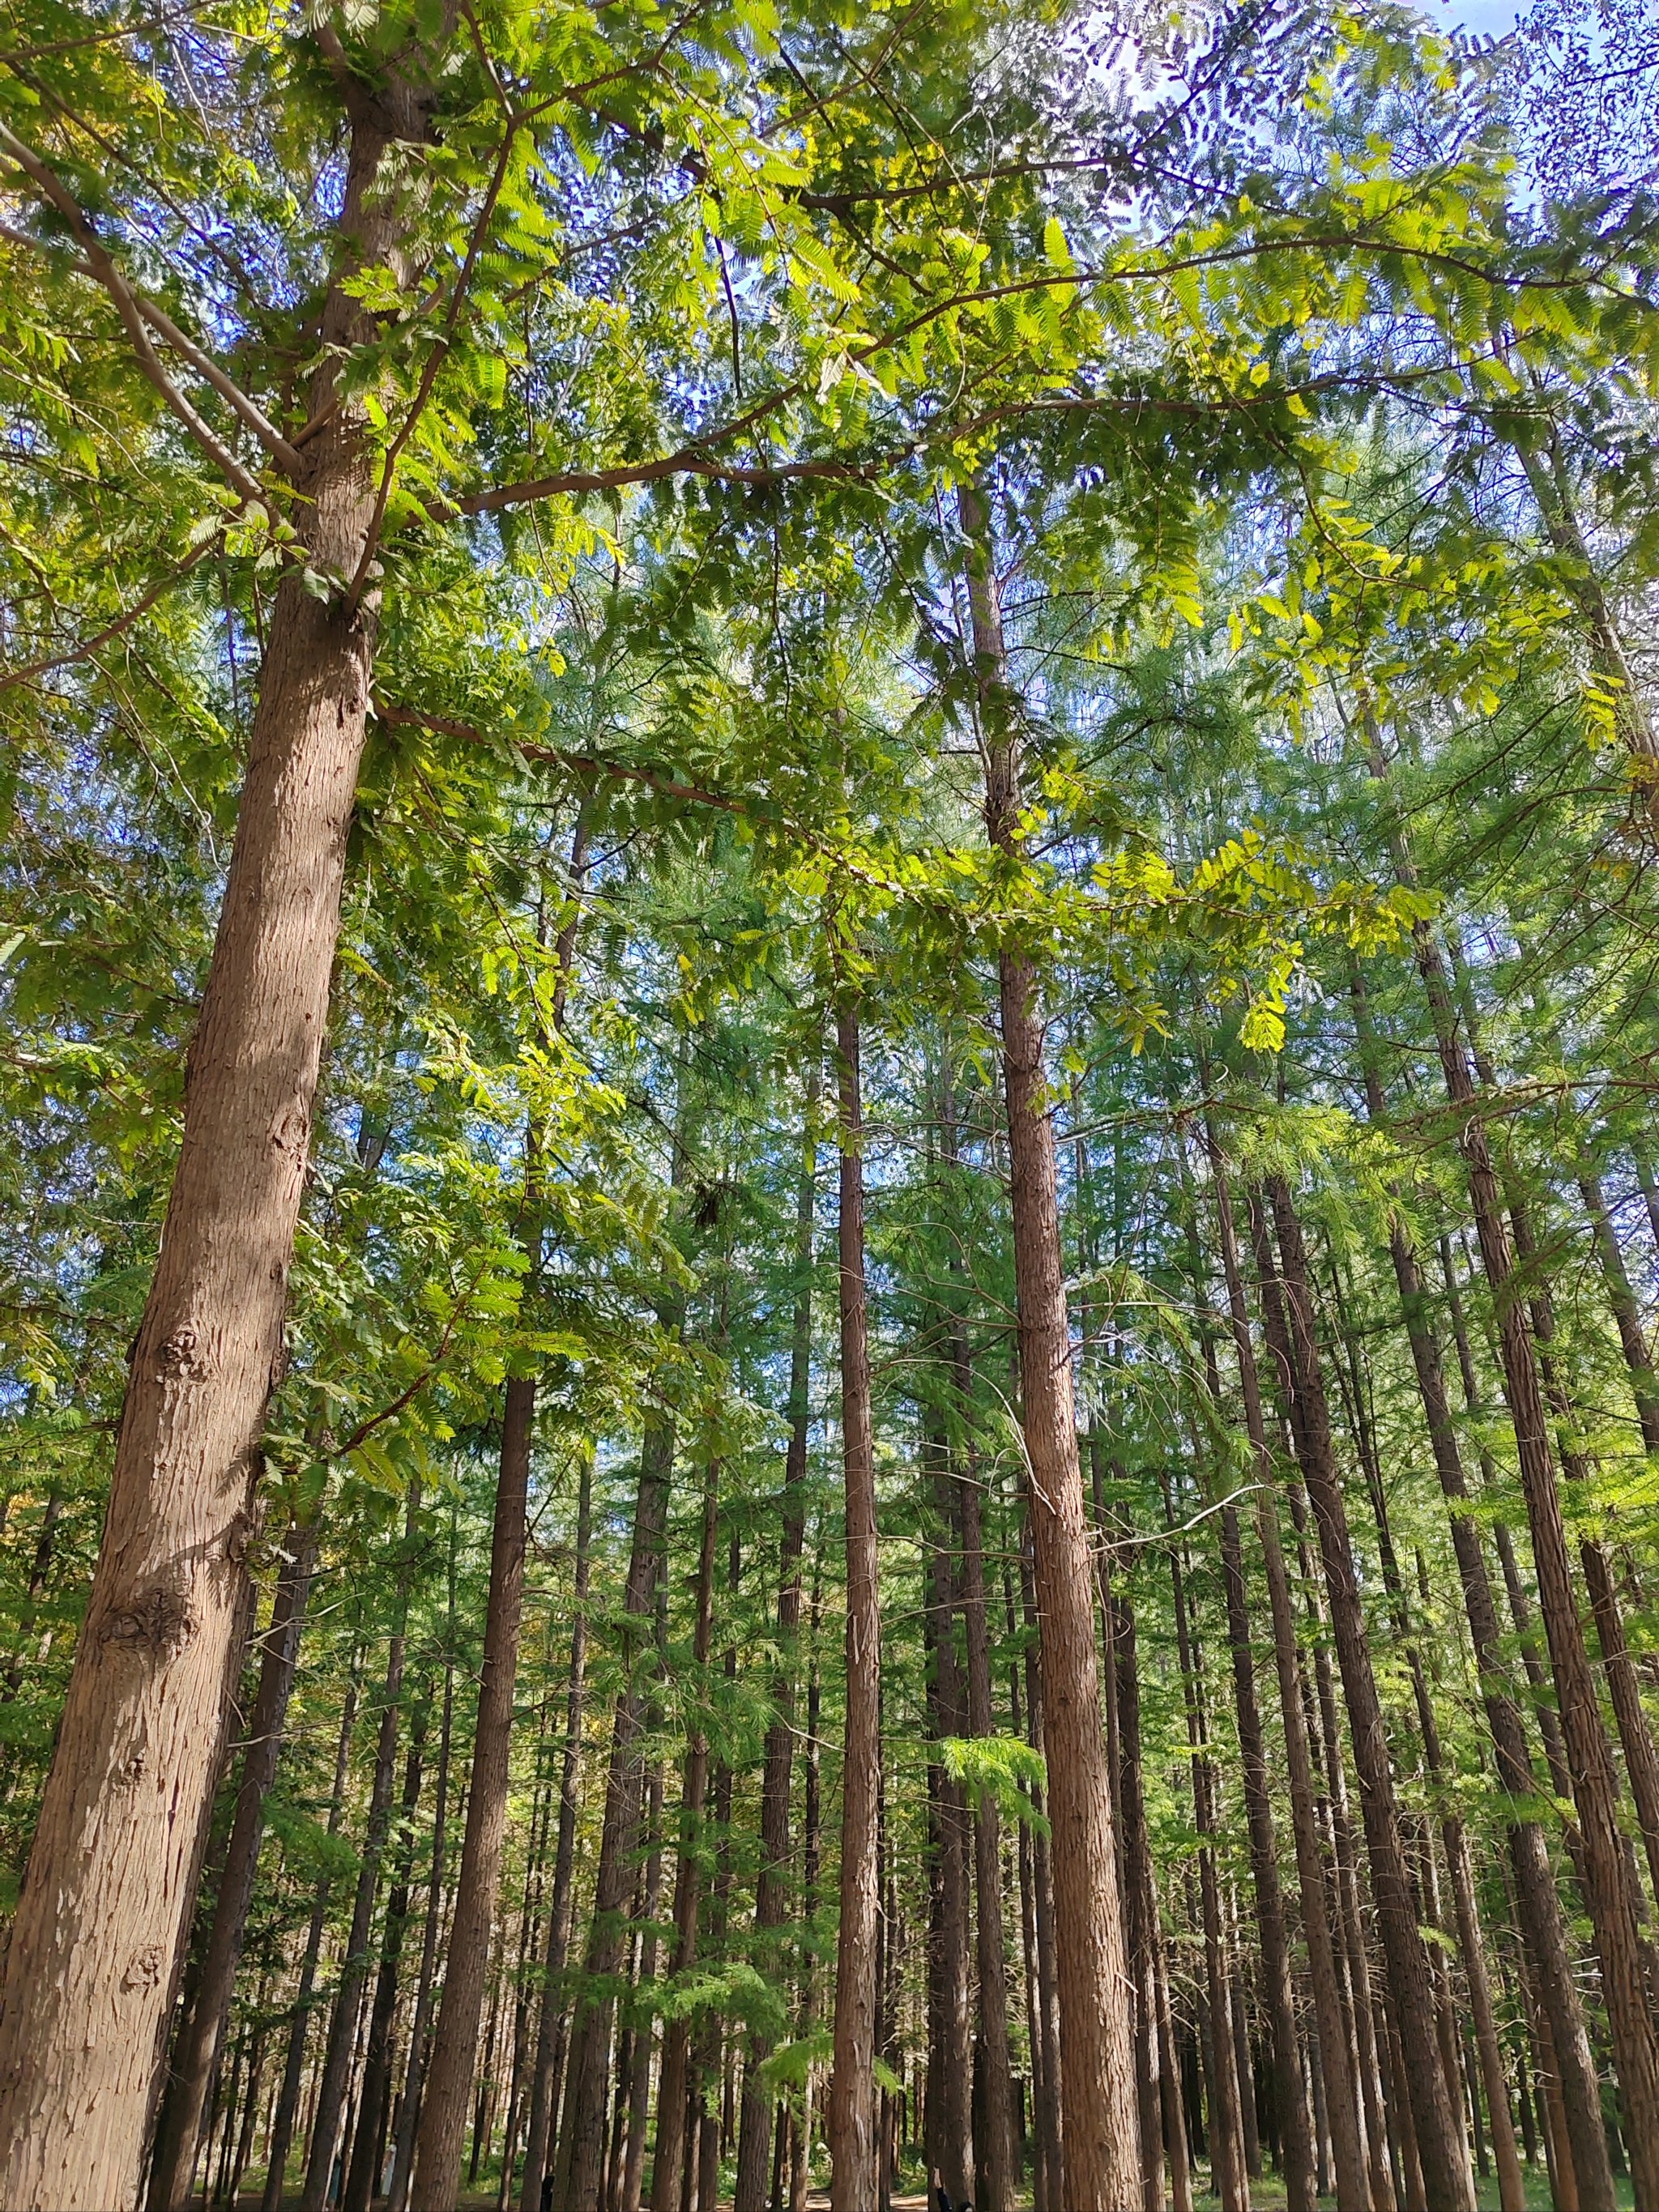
<point x="832" y="1225"/>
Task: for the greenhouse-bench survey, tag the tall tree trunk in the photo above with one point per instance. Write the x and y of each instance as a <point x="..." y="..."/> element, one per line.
<point x="1440" y="2142"/>
<point x="639" y="2083"/>
<point x="1341" y="2091"/>
<point x="340" y="2049"/>
<point x="950" y="2038"/>
<point x="771" y="1892"/>
<point x="667" y="2173"/>
<point x="449" y="2072"/>
<point x="580" y="2159"/>
<point x="1101" y="2124"/>
<point x="409" y="2102"/>
<point x="196" y="2057"/>
<point x="110" y="1883"/>
<point x="288" y="2100"/>
<point x="1537" y="1903"/>
<point x="363" y="2174"/>
<point x="1227" y="2173"/>
<point x="1627" y="1314"/>
<point x="1590" y="1758"/>
<point x="551" y="2018"/>
<point x="851" y="2114"/>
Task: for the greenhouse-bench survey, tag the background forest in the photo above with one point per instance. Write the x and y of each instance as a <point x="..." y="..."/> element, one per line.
<point x="853" y="812"/>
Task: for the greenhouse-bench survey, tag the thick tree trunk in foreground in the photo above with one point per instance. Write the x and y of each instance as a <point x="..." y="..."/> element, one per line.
<point x="449" y="2074"/>
<point x="1100" y="2125"/>
<point x="91" y="1968"/>
<point x="196" y="2059"/>
<point x="851" y="2115"/>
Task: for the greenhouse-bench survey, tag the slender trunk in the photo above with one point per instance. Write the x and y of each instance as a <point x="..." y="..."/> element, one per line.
<point x="107" y="1898"/>
<point x="771" y="1891"/>
<point x="1101" y="2128"/>
<point x="362" y="2175"/>
<point x="1538" y="1904"/>
<point x="196" y="2057"/>
<point x="288" y="2101"/>
<point x="1227" y="2173"/>
<point x="1440" y="2143"/>
<point x="1589" y="1758"/>
<point x="541" y="2088"/>
<point x="581" y="2139"/>
<point x="852" y="2107"/>
<point x="1342" y="2099"/>
<point x="1140" y="1894"/>
<point x="667" y="2177"/>
<point x="409" y="2104"/>
<point x="1051" y="2112"/>
<point x="343" y="2020"/>
<point x="1627" y="1314"/>
<point x="639" y="2085"/>
<point x="449" y="2072"/>
<point x="950" y="2041"/>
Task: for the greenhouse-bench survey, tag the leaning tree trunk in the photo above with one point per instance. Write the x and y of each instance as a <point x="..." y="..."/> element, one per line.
<point x="1100" y="2124"/>
<point x="92" y="1964"/>
<point x="449" y="2073"/>
<point x="196" y="2059"/>
<point x="851" y="2114"/>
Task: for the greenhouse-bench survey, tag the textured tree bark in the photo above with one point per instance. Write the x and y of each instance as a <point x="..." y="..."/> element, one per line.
<point x="91" y="1969"/>
<point x="1440" y="2143"/>
<point x="771" y="1892"/>
<point x="1342" y="2099"/>
<point x="1101" y="2126"/>
<point x="638" y="2077"/>
<point x="1141" y="1897"/>
<point x="449" y="2071"/>
<point x="564" y="1866"/>
<point x="851" y="2115"/>
<point x="196" y="2057"/>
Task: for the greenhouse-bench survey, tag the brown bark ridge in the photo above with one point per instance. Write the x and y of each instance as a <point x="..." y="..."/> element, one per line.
<point x="851" y="2110"/>
<point x="91" y="1965"/>
<point x="1440" y="2143"/>
<point x="1100" y="2125"/>
<point x="771" y="1892"/>
<point x="449" y="2072"/>
<point x="196" y="2058"/>
<point x="949" y="2027"/>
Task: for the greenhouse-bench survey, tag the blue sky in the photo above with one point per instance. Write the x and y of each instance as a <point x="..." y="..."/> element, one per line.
<point x="1495" y="16"/>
